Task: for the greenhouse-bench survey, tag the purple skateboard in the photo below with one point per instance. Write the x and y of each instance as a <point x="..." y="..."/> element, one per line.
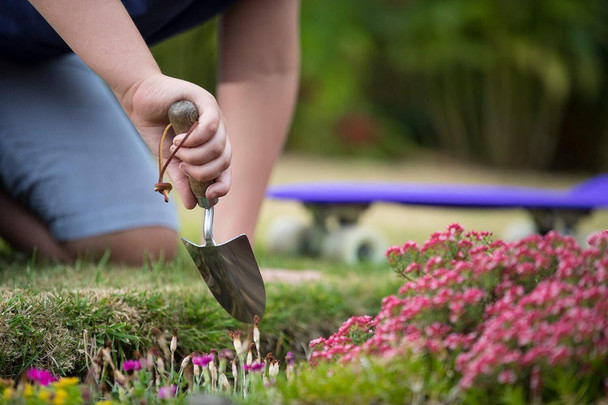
<point x="589" y="195"/>
<point x="549" y="208"/>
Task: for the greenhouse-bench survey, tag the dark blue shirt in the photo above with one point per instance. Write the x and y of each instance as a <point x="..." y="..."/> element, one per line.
<point x="26" y="37"/>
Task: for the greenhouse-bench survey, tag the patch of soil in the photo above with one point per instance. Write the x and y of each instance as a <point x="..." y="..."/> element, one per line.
<point x="290" y="276"/>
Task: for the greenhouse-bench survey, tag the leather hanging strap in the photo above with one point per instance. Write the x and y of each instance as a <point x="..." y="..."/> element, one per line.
<point x="161" y="186"/>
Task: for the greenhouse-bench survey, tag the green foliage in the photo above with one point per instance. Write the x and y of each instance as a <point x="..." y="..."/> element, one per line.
<point x="491" y="80"/>
<point x="191" y="56"/>
<point x="406" y="379"/>
<point x="510" y="83"/>
<point x="45" y="309"/>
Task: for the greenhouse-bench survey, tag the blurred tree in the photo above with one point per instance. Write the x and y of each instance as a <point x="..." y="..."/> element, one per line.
<point x="335" y="113"/>
<point x="493" y="79"/>
<point x="519" y="83"/>
<point x="191" y="56"/>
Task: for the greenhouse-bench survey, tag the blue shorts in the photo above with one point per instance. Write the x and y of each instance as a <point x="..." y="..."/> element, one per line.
<point x="70" y="155"/>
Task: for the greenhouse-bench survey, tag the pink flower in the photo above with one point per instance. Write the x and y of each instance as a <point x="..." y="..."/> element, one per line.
<point x="131" y="365"/>
<point x="393" y="251"/>
<point x="256" y="366"/>
<point x="289" y="358"/>
<point x="507" y="377"/>
<point x="167" y="392"/>
<point x="42" y="377"/>
<point x="202" y="361"/>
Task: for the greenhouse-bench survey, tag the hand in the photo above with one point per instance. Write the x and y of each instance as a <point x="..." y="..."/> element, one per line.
<point x="205" y="155"/>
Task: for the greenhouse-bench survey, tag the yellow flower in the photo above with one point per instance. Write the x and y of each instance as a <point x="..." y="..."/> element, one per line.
<point x="28" y="390"/>
<point x="104" y="403"/>
<point x="60" y="396"/>
<point x="67" y="382"/>
<point x="44" y="395"/>
<point x="7" y="394"/>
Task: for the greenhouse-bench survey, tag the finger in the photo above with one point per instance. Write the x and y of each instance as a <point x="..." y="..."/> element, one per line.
<point x="201" y="154"/>
<point x="182" y="185"/>
<point x="210" y="125"/>
<point x="220" y="187"/>
<point x="209" y="171"/>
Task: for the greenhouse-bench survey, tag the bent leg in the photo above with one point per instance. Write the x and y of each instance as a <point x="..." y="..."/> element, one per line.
<point x="131" y="247"/>
<point x="75" y="166"/>
<point x="24" y="232"/>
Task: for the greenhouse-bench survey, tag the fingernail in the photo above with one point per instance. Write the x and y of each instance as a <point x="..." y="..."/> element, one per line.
<point x="172" y="148"/>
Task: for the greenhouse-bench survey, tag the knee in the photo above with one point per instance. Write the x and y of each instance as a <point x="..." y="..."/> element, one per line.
<point x="131" y="247"/>
<point x="155" y="244"/>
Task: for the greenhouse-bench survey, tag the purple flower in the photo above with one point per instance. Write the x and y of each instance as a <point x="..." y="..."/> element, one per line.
<point x="131" y="365"/>
<point x="42" y="377"/>
<point x="289" y="358"/>
<point x="202" y="361"/>
<point x="167" y="392"/>
<point x="254" y="367"/>
<point x="226" y="354"/>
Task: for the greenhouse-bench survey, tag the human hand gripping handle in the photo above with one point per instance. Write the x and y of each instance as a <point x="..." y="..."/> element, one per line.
<point x="182" y="115"/>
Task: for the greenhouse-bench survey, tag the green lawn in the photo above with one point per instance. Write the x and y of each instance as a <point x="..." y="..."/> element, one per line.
<point x="46" y="308"/>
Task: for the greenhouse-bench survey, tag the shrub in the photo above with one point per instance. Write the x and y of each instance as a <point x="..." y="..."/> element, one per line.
<point x="531" y="315"/>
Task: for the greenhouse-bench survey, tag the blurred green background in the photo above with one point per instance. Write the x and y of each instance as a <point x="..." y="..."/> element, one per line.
<point x="505" y="83"/>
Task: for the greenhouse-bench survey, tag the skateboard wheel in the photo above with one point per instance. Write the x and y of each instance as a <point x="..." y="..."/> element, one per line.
<point x="287" y="236"/>
<point x="354" y="244"/>
<point x="519" y="229"/>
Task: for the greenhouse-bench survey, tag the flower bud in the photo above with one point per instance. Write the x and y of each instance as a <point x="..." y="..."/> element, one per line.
<point x="236" y="341"/>
<point x="173" y="345"/>
<point x="256" y="334"/>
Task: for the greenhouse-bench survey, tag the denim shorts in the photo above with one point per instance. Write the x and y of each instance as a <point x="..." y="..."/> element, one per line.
<point x="70" y="155"/>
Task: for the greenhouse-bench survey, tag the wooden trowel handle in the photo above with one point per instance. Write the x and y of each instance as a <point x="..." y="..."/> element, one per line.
<point x="182" y="115"/>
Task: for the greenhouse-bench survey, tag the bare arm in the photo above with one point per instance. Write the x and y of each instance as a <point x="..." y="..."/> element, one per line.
<point x="259" y="64"/>
<point x="259" y="58"/>
<point x="102" y="33"/>
<point x="104" y="36"/>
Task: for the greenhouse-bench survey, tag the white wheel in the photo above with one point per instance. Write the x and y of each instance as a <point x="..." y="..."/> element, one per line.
<point x="287" y="236"/>
<point x="519" y="229"/>
<point x="353" y="244"/>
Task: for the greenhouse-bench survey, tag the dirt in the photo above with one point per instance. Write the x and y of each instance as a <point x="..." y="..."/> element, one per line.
<point x="290" y="276"/>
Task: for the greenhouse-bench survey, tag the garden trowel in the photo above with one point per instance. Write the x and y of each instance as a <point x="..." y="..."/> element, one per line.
<point x="229" y="269"/>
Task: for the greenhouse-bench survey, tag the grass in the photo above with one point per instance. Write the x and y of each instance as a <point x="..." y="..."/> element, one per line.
<point x="45" y="308"/>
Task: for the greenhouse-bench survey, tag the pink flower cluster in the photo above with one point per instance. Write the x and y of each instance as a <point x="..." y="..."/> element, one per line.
<point x="203" y="361"/>
<point x="42" y="377"/>
<point x="167" y="392"/>
<point x="502" y="312"/>
<point x="131" y="365"/>
<point x="346" y="342"/>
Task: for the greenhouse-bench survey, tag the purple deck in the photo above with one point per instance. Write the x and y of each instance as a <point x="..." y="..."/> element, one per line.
<point x="591" y="194"/>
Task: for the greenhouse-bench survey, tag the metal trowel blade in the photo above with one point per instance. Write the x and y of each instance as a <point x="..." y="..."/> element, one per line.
<point x="232" y="275"/>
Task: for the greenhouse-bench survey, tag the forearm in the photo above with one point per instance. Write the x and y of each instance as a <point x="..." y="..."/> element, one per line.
<point x="259" y="39"/>
<point x="259" y="57"/>
<point x="103" y="34"/>
<point x="258" y="112"/>
<point x="258" y="83"/>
